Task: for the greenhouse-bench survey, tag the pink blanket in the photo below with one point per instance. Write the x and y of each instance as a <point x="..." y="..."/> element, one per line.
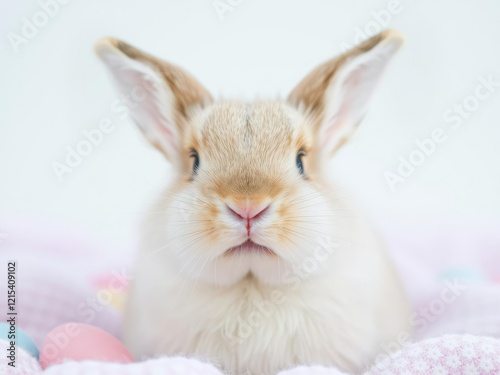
<point x="451" y="273"/>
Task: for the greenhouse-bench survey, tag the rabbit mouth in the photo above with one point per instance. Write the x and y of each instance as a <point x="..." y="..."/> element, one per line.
<point x="249" y="247"/>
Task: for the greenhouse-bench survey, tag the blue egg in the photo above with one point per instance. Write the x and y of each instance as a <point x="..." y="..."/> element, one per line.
<point x="22" y="339"/>
<point x="464" y="274"/>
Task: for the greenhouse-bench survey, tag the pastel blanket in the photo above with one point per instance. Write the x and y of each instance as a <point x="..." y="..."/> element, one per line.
<point x="451" y="272"/>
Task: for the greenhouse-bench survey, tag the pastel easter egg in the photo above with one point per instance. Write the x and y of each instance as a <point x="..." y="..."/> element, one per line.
<point x="22" y="339"/>
<point x="80" y="342"/>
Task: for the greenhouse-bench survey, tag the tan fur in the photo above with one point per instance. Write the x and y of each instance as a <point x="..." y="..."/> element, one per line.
<point x="193" y="292"/>
<point x="310" y="91"/>
<point x="187" y="90"/>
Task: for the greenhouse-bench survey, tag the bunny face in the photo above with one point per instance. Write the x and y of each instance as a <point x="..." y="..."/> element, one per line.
<point x="249" y="197"/>
<point x="249" y="194"/>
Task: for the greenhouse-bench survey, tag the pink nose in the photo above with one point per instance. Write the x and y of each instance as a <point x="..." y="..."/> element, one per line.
<point x="247" y="212"/>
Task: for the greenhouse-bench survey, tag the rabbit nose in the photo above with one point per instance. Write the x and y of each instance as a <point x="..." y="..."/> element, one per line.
<point x="247" y="211"/>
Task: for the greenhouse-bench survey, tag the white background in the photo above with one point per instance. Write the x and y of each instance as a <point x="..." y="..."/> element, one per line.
<point x="54" y="87"/>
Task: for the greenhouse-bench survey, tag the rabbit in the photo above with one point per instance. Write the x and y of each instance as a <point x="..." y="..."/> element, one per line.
<point x="248" y="259"/>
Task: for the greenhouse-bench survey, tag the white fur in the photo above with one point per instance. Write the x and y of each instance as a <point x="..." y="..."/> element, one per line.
<point x="322" y="291"/>
<point x="338" y="307"/>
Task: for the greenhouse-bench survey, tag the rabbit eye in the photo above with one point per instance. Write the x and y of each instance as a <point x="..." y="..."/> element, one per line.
<point x="196" y="161"/>
<point x="298" y="161"/>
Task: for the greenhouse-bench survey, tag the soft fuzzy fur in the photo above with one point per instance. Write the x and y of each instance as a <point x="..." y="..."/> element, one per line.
<point x="315" y="287"/>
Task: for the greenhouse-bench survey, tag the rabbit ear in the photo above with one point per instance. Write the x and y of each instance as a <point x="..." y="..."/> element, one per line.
<point x="158" y="94"/>
<point x="338" y="92"/>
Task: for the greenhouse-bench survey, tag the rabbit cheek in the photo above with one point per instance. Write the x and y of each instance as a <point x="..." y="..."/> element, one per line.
<point x="306" y="223"/>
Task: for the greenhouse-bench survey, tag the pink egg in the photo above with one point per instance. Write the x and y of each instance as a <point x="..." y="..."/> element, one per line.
<point x="79" y="342"/>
